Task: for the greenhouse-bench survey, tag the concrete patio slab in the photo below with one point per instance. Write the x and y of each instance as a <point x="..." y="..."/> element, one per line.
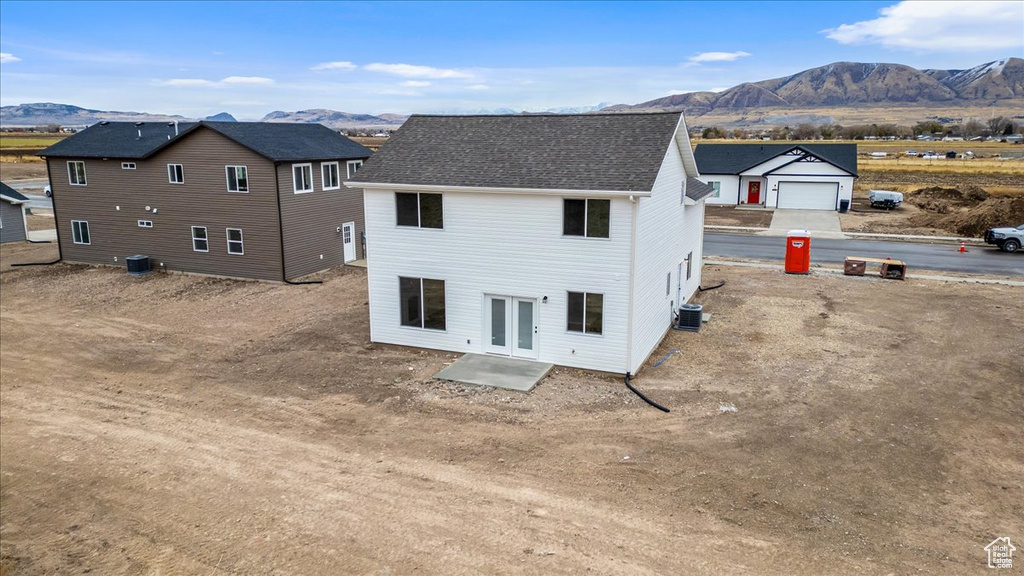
<point x="820" y="223"/>
<point x="496" y="371"/>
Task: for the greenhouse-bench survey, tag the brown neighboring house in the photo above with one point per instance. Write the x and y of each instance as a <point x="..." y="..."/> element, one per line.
<point x="240" y="199"/>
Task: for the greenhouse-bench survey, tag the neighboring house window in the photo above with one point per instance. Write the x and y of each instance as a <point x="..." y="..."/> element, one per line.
<point x="419" y="210"/>
<point x="127" y="165"/>
<point x="329" y="175"/>
<point x="238" y="178"/>
<point x="668" y="283"/>
<point x="589" y="218"/>
<point x="302" y="177"/>
<point x="235" y="241"/>
<point x="145" y="223"/>
<point x="200" y="241"/>
<point x="175" y="173"/>
<point x="353" y="166"/>
<point x="80" y="232"/>
<point x="718" y="189"/>
<point x="689" y="258"/>
<point x="422" y="302"/>
<point x="585" y="313"/>
<point x="76" y="173"/>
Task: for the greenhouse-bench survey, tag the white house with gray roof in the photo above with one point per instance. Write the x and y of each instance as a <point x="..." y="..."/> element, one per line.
<point x="564" y="239"/>
<point x="794" y="176"/>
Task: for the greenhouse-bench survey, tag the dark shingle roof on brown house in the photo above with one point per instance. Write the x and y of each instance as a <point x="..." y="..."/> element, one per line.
<point x="12" y="195"/>
<point x="277" y="141"/>
<point x="601" y="152"/>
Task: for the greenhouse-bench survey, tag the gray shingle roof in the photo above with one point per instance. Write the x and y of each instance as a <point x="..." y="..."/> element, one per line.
<point x="697" y="190"/>
<point x="614" y="152"/>
<point x="282" y="142"/>
<point x="735" y="158"/>
<point x="11" y="195"/>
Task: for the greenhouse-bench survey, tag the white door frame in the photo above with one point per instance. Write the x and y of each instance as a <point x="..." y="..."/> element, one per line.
<point x="349" y="248"/>
<point x="506" y="340"/>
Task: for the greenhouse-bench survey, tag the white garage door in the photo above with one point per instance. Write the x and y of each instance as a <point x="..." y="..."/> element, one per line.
<point x="808" y="195"/>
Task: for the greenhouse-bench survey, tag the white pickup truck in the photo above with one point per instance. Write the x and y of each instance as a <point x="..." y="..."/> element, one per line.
<point x="1008" y="239"/>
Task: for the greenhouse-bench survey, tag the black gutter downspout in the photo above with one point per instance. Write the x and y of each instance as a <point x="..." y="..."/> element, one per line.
<point x="280" y="228"/>
<point x="56" y="225"/>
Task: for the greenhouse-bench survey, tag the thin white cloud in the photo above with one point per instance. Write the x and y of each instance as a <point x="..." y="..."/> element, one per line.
<point x="939" y="26"/>
<point x="718" y="56"/>
<point x="416" y="83"/>
<point x="7" y="57"/>
<point x="345" y="66"/>
<point x="413" y="71"/>
<point x="478" y="87"/>
<point x="229" y="81"/>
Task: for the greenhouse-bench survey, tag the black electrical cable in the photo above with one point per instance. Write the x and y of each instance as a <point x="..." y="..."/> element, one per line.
<point x="703" y="289"/>
<point x="641" y="395"/>
<point x="38" y="263"/>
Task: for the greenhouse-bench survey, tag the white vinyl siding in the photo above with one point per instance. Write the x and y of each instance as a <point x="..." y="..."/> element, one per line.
<point x="302" y="178"/>
<point x="329" y="177"/>
<point x="727" y="190"/>
<point x="237" y="178"/>
<point x="175" y="174"/>
<point x="76" y="173"/>
<point x="505" y="245"/>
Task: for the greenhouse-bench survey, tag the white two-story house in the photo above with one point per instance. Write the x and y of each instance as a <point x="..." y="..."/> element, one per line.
<point x="567" y="239"/>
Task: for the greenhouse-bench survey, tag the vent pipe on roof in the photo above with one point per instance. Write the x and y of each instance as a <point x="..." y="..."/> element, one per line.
<point x="140" y="132"/>
<point x="175" y="127"/>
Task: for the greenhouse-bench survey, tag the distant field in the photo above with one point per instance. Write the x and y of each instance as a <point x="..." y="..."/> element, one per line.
<point x="27" y="142"/>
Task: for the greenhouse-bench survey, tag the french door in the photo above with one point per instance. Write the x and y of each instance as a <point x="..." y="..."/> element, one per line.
<point x="510" y="326"/>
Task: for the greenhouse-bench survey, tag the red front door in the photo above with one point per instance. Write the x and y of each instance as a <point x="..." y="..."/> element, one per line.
<point x="753" y="193"/>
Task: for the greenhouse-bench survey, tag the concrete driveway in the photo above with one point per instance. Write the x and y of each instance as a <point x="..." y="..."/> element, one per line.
<point x="821" y="223"/>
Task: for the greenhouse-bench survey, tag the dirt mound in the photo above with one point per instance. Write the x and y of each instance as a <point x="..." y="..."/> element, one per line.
<point x="967" y="211"/>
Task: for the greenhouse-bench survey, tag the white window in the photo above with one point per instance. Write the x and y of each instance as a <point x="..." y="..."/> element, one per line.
<point x="80" y="232"/>
<point x="302" y="178"/>
<point x="718" y="189"/>
<point x="238" y="178"/>
<point x="422" y="303"/>
<point x="353" y="166"/>
<point x="175" y="173"/>
<point x="590" y="218"/>
<point x="127" y="165"/>
<point x="235" y="241"/>
<point x="76" y="173"/>
<point x="585" y="313"/>
<point x="200" y="241"/>
<point x="145" y="223"/>
<point x="329" y="175"/>
<point x="689" y="265"/>
<point x="420" y="210"/>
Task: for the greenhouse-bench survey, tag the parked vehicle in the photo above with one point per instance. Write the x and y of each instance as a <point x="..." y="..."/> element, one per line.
<point x="47" y="191"/>
<point x="885" y="199"/>
<point x="1007" y="239"/>
<point x="951" y="154"/>
<point x="911" y="153"/>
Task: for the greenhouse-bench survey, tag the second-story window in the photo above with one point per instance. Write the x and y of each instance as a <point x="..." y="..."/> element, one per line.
<point x="589" y="218"/>
<point x="329" y="175"/>
<point x="76" y="173"/>
<point x="302" y="177"/>
<point x="238" y="178"/>
<point x="353" y="166"/>
<point x="175" y="173"/>
<point x="419" y="210"/>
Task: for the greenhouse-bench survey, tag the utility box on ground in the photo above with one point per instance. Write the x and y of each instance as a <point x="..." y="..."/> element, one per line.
<point x="798" y="252"/>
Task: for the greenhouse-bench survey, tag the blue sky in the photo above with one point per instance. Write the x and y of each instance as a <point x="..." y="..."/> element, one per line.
<point x="197" y="59"/>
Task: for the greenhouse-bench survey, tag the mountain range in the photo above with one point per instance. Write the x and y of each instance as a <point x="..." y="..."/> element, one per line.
<point x="842" y="91"/>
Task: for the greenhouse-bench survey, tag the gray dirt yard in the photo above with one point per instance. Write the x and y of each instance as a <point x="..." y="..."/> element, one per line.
<point x="191" y="425"/>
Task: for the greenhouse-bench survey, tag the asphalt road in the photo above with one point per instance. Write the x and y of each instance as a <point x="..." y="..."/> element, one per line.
<point x="36" y="199"/>
<point x="942" y="257"/>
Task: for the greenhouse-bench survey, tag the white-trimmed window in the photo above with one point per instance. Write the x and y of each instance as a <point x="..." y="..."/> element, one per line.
<point x="238" y="178"/>
<point x="235" y="245"/>
<point x="422" y="303"/>
<point x="353" y="166"/>
<point x="329" y="175"/>
<point x="127" y="165"/>
<point x="717" y="186"/>
<point x="200" y="240"/>
<point x="80" y="232"/>
<point x="419" y="210"/>
<point x="689" y="265"/>
<point x="76" y="172"/>
<point x="589" y="217"/>
<point x="175" y="173"/>
<point x="302" y="178"/>
<point x="145" y="223"/>
<point x="585" y="313"/>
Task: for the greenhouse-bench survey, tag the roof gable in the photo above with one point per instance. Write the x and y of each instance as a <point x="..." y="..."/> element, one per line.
<point x="11" y="195"/>
<point x="276" y="141"/>
<point x="737" y="158"/>
<point x="589" y="152"/>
